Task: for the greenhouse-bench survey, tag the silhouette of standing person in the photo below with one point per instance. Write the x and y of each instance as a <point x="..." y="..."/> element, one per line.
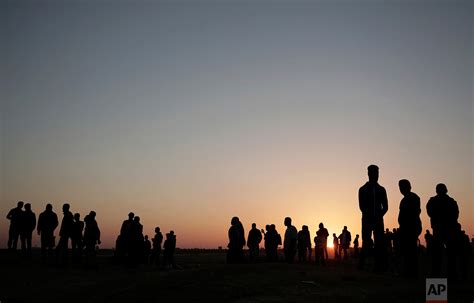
<point x="125" y="239"/>
<point x="156" y="252"/>
<point x="373" y="203"/>
<point x="14" y="215"/>
<point x="236" y="235"/>
<point x="410" y="228"/>
<point x="146" y="250"/>
<point x="345" y="241"/>
<point x="65" y="233"/>
<point x="170" y="247"/>
<point x="443" y="212"/>
<point x="303" y="243"/>
<point x="289" y="243"/>
<point x="319" y="250"/>
<point x="253" y="240"/>
<point x="91" y="237"/>
<point x="76" y="238"/>
<point x="137" y="241"/>
<point x="324" y="234"/>
<point x="266" y="242"/>
<point x="335" y="244"/>
<point x="356" y="246"/>
<point x="27" y="226"/>
<point x="47" y="223"/>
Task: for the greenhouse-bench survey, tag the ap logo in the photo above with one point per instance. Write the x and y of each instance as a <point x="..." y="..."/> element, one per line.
<point x="436" y="290"/>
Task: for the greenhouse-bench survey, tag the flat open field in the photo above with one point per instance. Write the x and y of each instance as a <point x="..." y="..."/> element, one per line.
<point x="204" y="277"/>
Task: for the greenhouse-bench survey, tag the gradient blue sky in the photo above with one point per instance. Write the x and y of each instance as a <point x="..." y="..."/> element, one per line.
<point x="189" y="113"/>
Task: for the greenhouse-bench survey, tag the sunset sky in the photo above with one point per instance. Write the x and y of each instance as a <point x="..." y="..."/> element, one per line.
<point x="191" y="112"/>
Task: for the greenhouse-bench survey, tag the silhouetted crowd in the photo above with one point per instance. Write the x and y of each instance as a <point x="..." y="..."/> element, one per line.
<point x="132" y="248"/>
<point x="83" y="235"/>
<point x="388" y="250"/>
<point x="397" y="251"/>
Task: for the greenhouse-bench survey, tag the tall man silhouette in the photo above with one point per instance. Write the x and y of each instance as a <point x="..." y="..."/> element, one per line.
<point x="253" y="240"/>
<point x="14" y="215"/>
<point x="373" y="204"/>
<point x="28" y="224"/>
<point x="47" y="223"/>
<point x="289" y="243"/>
<point x="65" y="233"/>
<point x="410" y="228"/>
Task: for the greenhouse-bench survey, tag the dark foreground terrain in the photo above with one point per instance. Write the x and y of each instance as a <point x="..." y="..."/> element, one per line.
<point x="203" y="276"/>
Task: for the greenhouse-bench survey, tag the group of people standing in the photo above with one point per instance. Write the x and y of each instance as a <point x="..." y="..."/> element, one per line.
<point x="447" y="238"/>
<point x="84" y="235"/>
<point x="132" y="248"/>
<point x="295" y="243"/>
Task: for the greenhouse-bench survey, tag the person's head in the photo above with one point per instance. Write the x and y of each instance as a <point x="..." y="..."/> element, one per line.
<point x="27" y="206"/>
<point x="136" y="219"/>
<point x="394" y="230"/>
<point x="357" y="236"/>
<point x="146" y="237"/>
<point x="92" y="214"/>
<point x="387" y="230"/>
<point x="234" y="221"/>
<point x="305" y="227"/>
<point x="157" y="229"/>
<point x="427" y="231"/>
<point x="345" y="228"/>
<point x="334" y="235"/>
<point x="66" y="207"/>
<point x="404" y="186"/>
<point x="321" y="225"/>
<point x="254" y="225"/>
<point x="287" y="221"/>
<point x="441" y="189"/>
<point x="131" y="215"/>
<point x="77" y="216"/>
<point x="273" y="227"/>
<point x="49" y="207"/>
<point x="20" y="204"/>
<point x="373" y="173"/>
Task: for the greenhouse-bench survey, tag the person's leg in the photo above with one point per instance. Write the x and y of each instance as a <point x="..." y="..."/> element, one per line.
<point x="28" y="243"/>
<point x="16" y="235"/>
<point x="366" y="241"/>
<point x="11" y="234"/>
<point x="452" y="252"/>
<point x="437" y="255"/>
<point x="379" y="246"/>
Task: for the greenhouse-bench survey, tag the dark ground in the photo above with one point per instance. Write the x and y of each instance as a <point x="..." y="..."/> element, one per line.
<point x="204" y="277"/>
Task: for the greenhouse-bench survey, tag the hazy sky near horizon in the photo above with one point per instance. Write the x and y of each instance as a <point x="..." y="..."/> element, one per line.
<point x="189" y="113"/>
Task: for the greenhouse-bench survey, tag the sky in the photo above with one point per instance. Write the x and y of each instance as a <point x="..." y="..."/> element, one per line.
<point x="191" y="112"/>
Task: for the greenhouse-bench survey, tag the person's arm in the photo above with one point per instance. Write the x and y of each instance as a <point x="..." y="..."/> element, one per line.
<point x="384" y="202"/>
<point x="56" y="222"/>
<point x="429" y="208"/>
<point x="98" y="235"/>
<point x="10" y="215"/>
<point x="456" y="210"/>
<point x="34" y="222"/>
<point x="361" y="199"/>
<point x="38" y="228"/>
